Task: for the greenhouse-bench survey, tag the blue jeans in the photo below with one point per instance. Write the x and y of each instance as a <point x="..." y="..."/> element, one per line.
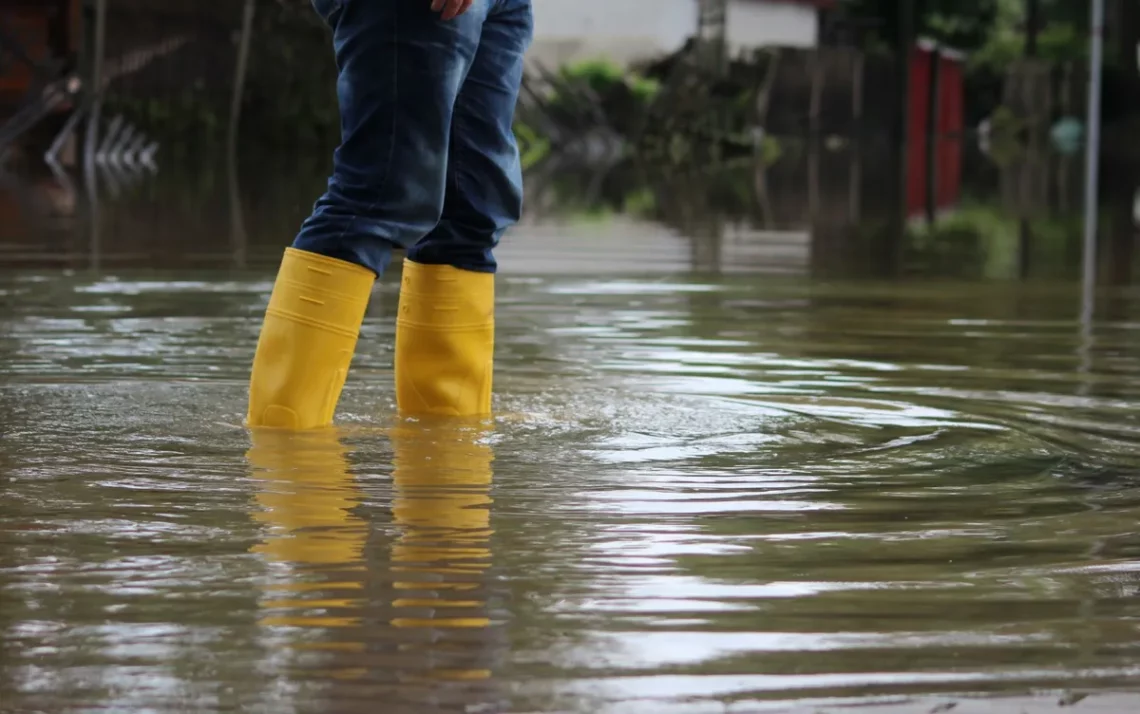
<point x="428" y="160"/>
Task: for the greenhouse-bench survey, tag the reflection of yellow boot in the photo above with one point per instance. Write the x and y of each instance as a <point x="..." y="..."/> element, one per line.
<point x="307" y="341"/>
<point x="445" y="339"/>
<point x="307" y="494"/>
<point x="442" y="506"/>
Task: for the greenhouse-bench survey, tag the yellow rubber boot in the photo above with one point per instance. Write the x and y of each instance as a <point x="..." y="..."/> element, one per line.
<point x="445" y="341"/>
<point x="307" y="341"/>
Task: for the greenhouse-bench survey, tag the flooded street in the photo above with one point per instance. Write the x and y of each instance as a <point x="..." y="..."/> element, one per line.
<point x="755" y="449"/>
<point x="816" y="374"/>
<point x="701" y="493"/>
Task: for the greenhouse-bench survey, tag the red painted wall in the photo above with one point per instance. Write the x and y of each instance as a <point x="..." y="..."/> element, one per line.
<point x="950" y="124"/>
<point x="916" y="130"/>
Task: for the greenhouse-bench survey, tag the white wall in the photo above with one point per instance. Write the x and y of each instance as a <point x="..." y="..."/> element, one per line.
<point x="757" y="24"/>
<point x="630" y="30"/>
<point x="623" y="30"/>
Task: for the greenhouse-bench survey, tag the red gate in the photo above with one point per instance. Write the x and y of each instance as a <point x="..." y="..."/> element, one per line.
<point x="935" y="69"/>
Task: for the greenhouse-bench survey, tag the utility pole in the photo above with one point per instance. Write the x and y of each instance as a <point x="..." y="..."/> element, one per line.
<point x="1092" y="156"/>
<point x="96" y="82"/>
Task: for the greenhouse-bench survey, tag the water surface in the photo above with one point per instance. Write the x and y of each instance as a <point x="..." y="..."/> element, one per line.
<point x="700" y="494"/>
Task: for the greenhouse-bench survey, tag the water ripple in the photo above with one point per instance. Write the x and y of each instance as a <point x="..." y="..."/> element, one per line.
<point x="697" y="495"/>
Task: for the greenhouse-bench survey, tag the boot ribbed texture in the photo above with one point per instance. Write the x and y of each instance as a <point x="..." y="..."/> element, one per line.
<point x="307" y="341"/>
<point x="445" y="341"/>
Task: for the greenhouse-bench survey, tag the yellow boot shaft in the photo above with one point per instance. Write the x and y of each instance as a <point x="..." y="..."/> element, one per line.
<point x="445" y="341"/>
<point x="307" y="341"/>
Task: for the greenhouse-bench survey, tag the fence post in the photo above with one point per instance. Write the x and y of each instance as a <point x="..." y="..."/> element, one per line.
<point x="95" y="83"/>
<point x="858" y="76"/>
<point x="818" y="76"/>
<point x="240" y="71"/>
<point x="91" y="140"/>
<point x="905" y="54"/>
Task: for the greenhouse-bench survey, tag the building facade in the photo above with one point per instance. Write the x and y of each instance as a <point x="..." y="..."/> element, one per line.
<point x="630" y="30"/>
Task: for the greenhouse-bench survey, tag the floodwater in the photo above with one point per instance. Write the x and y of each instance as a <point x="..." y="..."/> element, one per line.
<point x="735" y="490"/>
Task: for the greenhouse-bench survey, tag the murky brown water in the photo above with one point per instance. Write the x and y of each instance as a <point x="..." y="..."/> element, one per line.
<point x="699" y="495"/>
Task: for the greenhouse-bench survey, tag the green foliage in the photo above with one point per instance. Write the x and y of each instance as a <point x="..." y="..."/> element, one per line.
<point x="620" y="95"/>
<point x="1060" y="39"/>
<point x="1005" y="129"/>
<point x="982" y="239"/>
<point x="533" y="147"/>
<point x="992" y="32"/>
<point x="975" y="239"/>
<point x="771" y="150"/>
<point x="599" y="74"/>
<point x="641" y="202"/>
<point x="965" y="24"/>
<point x="584" y="90"/>
<point x="604" y="76"/>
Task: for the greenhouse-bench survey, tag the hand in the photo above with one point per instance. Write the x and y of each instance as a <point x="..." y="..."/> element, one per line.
<point x="451" y="9"/>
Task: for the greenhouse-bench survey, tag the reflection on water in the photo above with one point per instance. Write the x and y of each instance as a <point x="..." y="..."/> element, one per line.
<point x="440" y="560"/>
<point x="709" y="494"/>
<point x="412" y="623"/>
<point x="726" y="478"/>
<point x="829" y="209"/>
<point x="307" y="502"/>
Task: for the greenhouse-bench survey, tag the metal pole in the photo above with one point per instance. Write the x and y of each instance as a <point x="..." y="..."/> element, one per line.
<point x="240" y="71"/>
<point x="1092" y="175"/>
<point x="98" y="51"/>
<point x="1092" y="155"/>
<point x="97" y="83"/>
<point x="902" y="134"/>
<point x="237" y="226"/>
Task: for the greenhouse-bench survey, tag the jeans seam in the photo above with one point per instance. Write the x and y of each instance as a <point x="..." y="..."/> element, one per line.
<point x="395" y="37"/>
<point x="454" y="158"/>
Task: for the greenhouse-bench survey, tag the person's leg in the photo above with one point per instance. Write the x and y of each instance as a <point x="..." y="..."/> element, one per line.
<point x="400" y="70"/>
<point x="484" y="176"/>
<point x="445" y="329"/>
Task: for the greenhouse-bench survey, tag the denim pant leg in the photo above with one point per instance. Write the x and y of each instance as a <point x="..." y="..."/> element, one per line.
<point x="400" y="70"/>
<point x="484" y="176"/>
